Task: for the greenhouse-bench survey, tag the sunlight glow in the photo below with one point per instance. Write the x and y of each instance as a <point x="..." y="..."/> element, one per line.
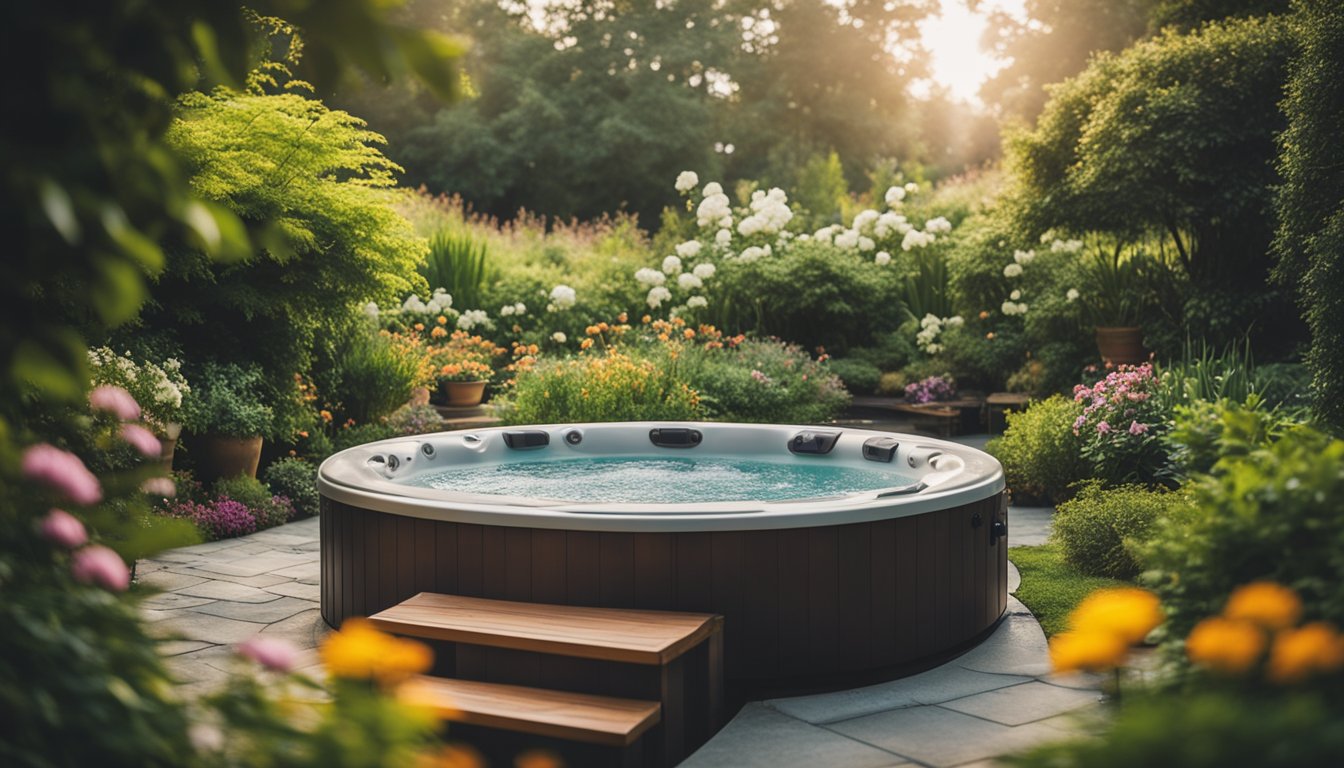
<point x="953" y="40"/>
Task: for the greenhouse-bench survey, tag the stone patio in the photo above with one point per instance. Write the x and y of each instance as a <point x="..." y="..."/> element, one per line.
<point x="996" y="698"/>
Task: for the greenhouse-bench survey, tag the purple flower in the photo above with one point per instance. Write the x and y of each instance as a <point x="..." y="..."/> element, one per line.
<point x="101" y="566"/>
<point x="63" y="529"/>
<point x="115" y="401"/>
<point x="223" y="519"/>
<point x="1103" y="427"/>
<point x="272" y="653"/>
<point x="62" y="471"/>
<point x="1135" y="428"/>
<point x="142" y="440"/>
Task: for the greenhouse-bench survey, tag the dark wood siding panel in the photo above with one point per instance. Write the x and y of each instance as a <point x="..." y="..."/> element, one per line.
<point x="854" y="595"/>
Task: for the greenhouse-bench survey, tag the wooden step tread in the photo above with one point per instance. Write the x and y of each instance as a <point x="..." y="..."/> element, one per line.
<point x="581" y="717"/>
<point x="610" y="634"/>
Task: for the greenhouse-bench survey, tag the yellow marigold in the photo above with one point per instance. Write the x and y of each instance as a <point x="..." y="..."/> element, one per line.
<point x="419" y="326"/>
<point x="1225" y="645"/>
<point x="645" y="319"/>
<point x="1128" y="612"/>
<point x="360" y="652"/>
<point x="438" y="332"/>
<point x="1270" y="605"/>
<point x="1310" y="649"/>
<point x="1093" y="651"/>
<point x="441" y="320"/>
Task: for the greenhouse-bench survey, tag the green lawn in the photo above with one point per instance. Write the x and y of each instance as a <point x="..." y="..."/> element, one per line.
<point x="1050" y="586"/>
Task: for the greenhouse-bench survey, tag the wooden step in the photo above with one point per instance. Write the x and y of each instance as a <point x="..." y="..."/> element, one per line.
<point x="609" y="634"/>
<point x="581" y="717"/>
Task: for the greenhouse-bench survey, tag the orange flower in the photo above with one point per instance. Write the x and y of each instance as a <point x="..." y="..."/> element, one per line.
<point x="325" y="414"/>
<point x="585" y="344"/>
<point x="645" y="319"/>
<point x="1225" y="645"/>
<point x="1270" y="605"/>
<point x="1093" y="651"/>
<point x="450" y="756"/>
<point x="1128" y="612"/>
<point x="622" y="318"/>
<point x="419" y="326"/>
<point x="441" y="320"/>
<point x="688" y="333"/>
<point x="1299" y="653"/>
<point x="359" y="651"/>
<point x="438" y="333"/>
<point x="984" y="313"/>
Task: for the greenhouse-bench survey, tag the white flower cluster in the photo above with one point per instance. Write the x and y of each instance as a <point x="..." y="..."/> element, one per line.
<point x="930" y="327"/>
<point x="916" y="239"/>
<point x="439" y="302"/>
<point x="686" y="181"/>
<point x="696" y="302"/>
<point x="1066" y="246"/>
<point x="938" y="225"/>
<point x="559" y="337"/>
<point x="1011" y="307"/>
<point x="672" y="265"/>
<point x="562" y="298"/>
<point x="474" y="318"/>
<point x="1072" y="295"/>
<point x="686" y="281"/>
<point x="647" y="276"/>
<point x="371" y="310"/>
<point x="753" y="253"/>
<point x="158" y="388"/>
<point x="715" y="209"/>
<point x="1012" y="270"/>
<point x="657" y="295"/>
<point x="689" y="249"/>
<point x="882" y="259"/>
<point x="509" y="310"/>
<point x="770" y="213"/>
<point x="1023" y="257"/>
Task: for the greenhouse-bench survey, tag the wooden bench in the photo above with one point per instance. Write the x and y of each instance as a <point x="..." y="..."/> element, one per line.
<point x="658" y="639"/>
<point x="939" y="419"/>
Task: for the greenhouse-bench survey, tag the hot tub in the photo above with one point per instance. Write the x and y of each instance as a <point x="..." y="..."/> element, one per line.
<point x="833" y="554"/>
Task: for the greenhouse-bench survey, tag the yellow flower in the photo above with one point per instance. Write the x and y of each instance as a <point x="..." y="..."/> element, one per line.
<point x="1226" y="645"/>
<point x="450" y="756"/>
<point x="438" y="332"/>
<point x="360" y="652"/>
<point x="1270" y="605"/>
<point x="1298" y="653"/>
<point x="441" y="320"/>
<point x="1095" y="651"/>
<point x="1127" y="612"/>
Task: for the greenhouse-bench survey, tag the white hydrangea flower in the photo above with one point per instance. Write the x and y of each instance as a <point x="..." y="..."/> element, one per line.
<point x="911" y="187"/>
<point x="1008" y="308"/>
<point x="1023" y="257"/>
<point x="714" y="208"/>
<point x="687" y="180"/>
<point x="559" y="337"/>
<point x="442" y="298"/>
<point x="938" y="224"/>
<point x="894" y="196"/>
<point x="770" y="213"/>
<point x="824" y="234"/>
<point x="474" y="318"/>
<point x="506" y="310"/>
<point x="704" y="270"/>
<point x="1072" y="295"/>
<point x="657" y="295"/>
<point x="563" y="297"/>
<point x="696" y="302"/>
<point x="1015" y="295"/>
<point x="751" y="254"/>
<point x="713" y="188"/>
<point x="649" y="276"/>
<point x="1012" y="270"/>
<point x="413" y="303"/>
<point x="933" y="349"/>
<point x="930" y="320"/>
<point x="689" y="249"/>
<point x="1047" y="236"/>
<point x="848" y="239"/>
<point x="866" y="243"/>
<point x="954" y="321"/>
<point x="865" y="219"/>
<point x="723" y="237"/>
<point x="882" y="259"/>
<point x="371" y="310"/>
<point x="1066" y="246"/>
<point x="686" y="281"/>
<point x="916" y="239"/>
<point x="520" y="308"/>
<point x="671" y="265"/>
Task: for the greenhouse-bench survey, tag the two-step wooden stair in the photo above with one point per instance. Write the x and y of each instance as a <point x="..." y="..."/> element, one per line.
<point x="673" y="662"/>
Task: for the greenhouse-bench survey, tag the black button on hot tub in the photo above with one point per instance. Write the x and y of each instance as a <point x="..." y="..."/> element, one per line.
<point x="818" y="443"/>
<point x="573" y="437"/>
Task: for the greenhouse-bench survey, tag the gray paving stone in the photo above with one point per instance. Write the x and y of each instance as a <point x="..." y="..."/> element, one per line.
<point x="264" y="580"/>
<point x="305" y="630"/>
<point x="1016" y="647"/>
<point x="934" y="686"/>
<point x="940" y="737"/>
<point x="206" y="665"/>
<point x="264" y="613"/>
<point x="296" y="589"/>
<point x="1014" y="578"/>
<point x="193" y="625"/>
<point x="1029" y="526"/>
<point x="278" y="538"/>
<point x="1024" y="703"/>
<point x="762" y="738"/>
<point x="179" y="647"/>
<point x="252" y="566"/>
<point x="227" y="590"/>
<point x="310" y="571"/>
<point x="1089" y="680"/>
<point x="169" y="580"/>
<point x="167" y="601"/>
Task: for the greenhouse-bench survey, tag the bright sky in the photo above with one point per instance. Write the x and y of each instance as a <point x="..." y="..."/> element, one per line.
<point x="953" y="39"/>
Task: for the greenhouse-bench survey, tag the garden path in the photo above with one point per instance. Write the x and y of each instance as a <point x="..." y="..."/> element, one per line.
<point x="994" y="699"/>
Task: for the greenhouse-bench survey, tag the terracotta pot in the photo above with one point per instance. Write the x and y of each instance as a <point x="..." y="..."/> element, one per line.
<point x="462" y="394"/>
<point x="219" y="456"/>
<point x="1121" y="346"/>
<point x="168" y="434"/>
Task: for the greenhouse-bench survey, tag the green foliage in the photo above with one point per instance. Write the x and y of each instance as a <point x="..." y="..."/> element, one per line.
<point x="227" y="399"/>
<point x="1269" y="513"/>
<point x="1190" y="14"/>
<point x="1204" y="431"/>
<point x="457" y="263"/>
<point x="1051" y="588"/>
<point x="1204" y="374"/>
<point x="859" y="375"/>
<point x="927" y="290"/>
<point x="1310" y="202"/>
<point x="296" y="480"/>
<point x="612" y="386"/>
<point x="1041" y="456"/>
<point x="821" y="190"/>
<point x="257" y="497"/>
<point x="370" y="376"/>
<point x="762" y="381"/>
<point x="1098" y="529"/>
<point x="1208" y="729"/>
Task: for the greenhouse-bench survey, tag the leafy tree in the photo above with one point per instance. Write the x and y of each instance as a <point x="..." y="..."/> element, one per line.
<point x="1189" y="14"/>
<point x="1310" y="202"/>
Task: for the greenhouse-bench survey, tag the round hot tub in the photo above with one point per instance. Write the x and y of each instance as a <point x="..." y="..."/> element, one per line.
<point x="833" y="554"/>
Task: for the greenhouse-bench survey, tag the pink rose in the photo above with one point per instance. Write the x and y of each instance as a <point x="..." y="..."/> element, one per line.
<point x="270" y="652"/>
<point x="142" y="440"/>
<point x="159" y="486"/>
<point x="115" y="401"/>
<point x="1103" y="427"/>
<point x="1135" y="428"/>
<point x="63" y="471"/>
<point x="63" y="529"/>
<point x="101" y="566"/>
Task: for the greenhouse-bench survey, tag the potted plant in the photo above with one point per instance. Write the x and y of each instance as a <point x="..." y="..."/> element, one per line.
<point x="463" y="366"/>
<point x="1113" y="303"/>
<point x="226" y="417"/>
<point x="158" y="388"/>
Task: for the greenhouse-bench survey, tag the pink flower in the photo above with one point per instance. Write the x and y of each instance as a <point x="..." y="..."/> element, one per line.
<point x="1135" y="428"/>
<point x="159" y="486"/>
<point x="63" y="471"/>
<point x="101" y="566"/>
<point x="270" y="652"/>
<point x="142" y="440"/>
<point x="1103" y="427"/>
<point x="63" y="529"/>
<point x="115" y="401"/>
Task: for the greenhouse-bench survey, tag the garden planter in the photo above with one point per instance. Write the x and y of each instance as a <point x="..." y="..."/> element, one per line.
<point x="168" y="434"/>
<point x="462" y="394"/>
<point x="1121" y="346"/>
<point x="218" y="456"/>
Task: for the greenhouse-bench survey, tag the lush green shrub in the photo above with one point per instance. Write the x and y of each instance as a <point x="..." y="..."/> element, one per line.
<point x="227" y="399"/>
<point x="761" y="380"/>
<point x="457" y="263"/>
<point x="372" y="375"/>
<point x="269" y="508"/>
<point x="296" y="480"/>
<point x="1121" y="425"/>
<point x="1202" y="432"/>
<point x="859" y="375"/>
<point x="1041" y="456"/>
<point x="1098" y="529"/>
<point x="608" y="386"/>
<point x="1268" y="513"/>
